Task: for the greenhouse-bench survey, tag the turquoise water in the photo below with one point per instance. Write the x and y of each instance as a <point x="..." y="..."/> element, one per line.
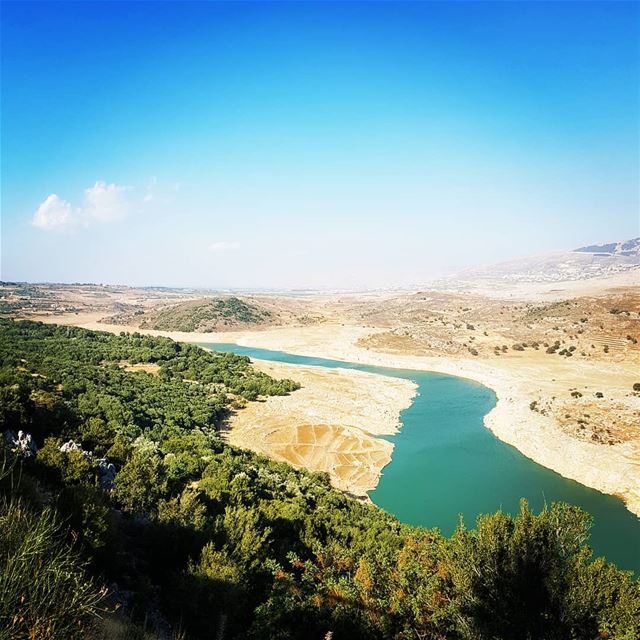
<point x="446" y="462"/>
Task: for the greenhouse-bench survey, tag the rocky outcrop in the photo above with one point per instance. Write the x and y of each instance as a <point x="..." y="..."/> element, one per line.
<point x="69" y="446"/>
<point x="106" y="473"/>
<point x="105" y="470"/>
<point x="21" y="444"/>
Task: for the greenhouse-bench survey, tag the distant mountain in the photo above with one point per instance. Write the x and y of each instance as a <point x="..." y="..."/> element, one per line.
<point x="627" y="248"/>
<point x="586" y="263"/>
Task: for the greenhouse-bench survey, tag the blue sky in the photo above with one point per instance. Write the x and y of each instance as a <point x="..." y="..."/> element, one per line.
<point x="312" y="144"/>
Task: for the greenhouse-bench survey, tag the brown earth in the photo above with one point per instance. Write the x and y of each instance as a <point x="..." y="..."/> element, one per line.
<point x="331" y="424"/>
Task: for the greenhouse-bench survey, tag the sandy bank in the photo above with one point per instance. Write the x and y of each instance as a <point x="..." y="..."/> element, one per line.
<point x="329" y="425"/>
<point x="612" y="469"/>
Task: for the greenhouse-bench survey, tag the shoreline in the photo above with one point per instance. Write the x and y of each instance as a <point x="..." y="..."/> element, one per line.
<point x="332" y="424"/>
<point x="610" y="469"/>
<point x="613" y="470"/>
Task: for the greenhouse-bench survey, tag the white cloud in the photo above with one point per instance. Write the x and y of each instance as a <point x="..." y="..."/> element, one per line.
<point x="102" y="203"/>
<point x="105" y="202"/>
<point x="218" y="247"/>
<point x="53" y="213"/>
<point x="151" y="190"/>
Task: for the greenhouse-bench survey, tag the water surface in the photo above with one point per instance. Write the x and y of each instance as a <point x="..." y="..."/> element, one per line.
<point x="446" y="462"/>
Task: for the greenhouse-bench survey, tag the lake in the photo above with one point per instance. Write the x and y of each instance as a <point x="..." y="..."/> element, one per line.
<point x="446" y="463"/>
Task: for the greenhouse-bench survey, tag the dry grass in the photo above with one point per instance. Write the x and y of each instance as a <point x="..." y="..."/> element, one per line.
<point x="150" y="368"/>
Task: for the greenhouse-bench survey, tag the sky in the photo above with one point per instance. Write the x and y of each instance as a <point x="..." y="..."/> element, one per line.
<point x="312" y="144"/>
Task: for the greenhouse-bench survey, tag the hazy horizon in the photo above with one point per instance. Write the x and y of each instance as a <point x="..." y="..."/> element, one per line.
<point x="289" y="289"/>
<point x="312" y="145"/>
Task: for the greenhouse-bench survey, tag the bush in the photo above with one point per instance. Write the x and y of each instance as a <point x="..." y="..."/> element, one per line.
<point x="142" y="481"/>
<point x="528" y="576"/>
<point x="44" y="592"/>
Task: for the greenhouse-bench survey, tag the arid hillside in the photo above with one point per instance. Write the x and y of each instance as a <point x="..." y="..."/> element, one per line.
<point x="607" y="261"/>
<point x="155" y="308"/>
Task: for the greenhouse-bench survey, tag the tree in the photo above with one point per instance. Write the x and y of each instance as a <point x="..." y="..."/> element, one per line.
<point x="141" y="482"/>
<point x="529" y="577"/>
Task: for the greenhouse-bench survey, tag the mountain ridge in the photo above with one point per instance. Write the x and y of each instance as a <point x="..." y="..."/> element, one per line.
<point x="590" y="262"/>
<point x="620" y="248"/>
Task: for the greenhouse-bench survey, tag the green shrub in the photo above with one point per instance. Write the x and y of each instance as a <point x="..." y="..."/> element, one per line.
<point x="142" y="480"/>
<point x="529" y="576"/>
<point x="44" y="590"/>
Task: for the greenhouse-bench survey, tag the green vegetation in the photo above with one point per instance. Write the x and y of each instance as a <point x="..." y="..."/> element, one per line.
<point x="553" y="310"/>
<point x="206" y="315"/>
<point x="44" y="591"/>
<point x="219" y="542"/>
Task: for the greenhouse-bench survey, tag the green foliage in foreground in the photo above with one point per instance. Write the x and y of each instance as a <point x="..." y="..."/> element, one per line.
<point x="44" y="590"/>
<point x="223" y="543"/>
